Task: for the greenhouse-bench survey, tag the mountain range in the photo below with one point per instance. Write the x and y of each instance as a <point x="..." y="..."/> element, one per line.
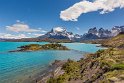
<point x="61" y="34"/>
<point x="93" y="33"/>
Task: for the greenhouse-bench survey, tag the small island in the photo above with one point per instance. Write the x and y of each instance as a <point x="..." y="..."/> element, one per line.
<point x="37" y="47"/>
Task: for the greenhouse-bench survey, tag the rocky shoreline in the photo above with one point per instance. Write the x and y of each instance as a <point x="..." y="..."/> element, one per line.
<point x="53" y="70"/>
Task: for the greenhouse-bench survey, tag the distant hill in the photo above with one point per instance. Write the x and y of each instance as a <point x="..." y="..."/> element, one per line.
<point x="117" y="41"/>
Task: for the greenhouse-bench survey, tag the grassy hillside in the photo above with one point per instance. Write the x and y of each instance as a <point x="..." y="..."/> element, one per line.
<point x="104" y="66"/>
<point x="117" y="41"/>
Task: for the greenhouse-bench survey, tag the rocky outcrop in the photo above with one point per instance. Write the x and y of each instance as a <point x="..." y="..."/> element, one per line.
<point x="60" y="33"/>
<point x="94" y="33"/>
<point x="93" y="30"/>
<point x="89" y="36"/>
<point x="116" y="30"/>
<point x="53" y="71"/>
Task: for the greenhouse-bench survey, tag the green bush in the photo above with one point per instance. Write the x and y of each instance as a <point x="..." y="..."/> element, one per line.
<point x="52" y="80"/>
<point x="99" y="52"/>
<point x="61" y="79"/>
<point x="117" y="67"/>
<point x="71" y="66"/>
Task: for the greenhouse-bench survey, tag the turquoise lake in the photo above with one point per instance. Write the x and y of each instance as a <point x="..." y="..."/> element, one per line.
<point x="18" y="66"/>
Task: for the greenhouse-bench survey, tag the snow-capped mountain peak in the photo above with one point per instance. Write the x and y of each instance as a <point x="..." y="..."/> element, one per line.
<point x="60" y="33"/>
<point x="59" y="29"/>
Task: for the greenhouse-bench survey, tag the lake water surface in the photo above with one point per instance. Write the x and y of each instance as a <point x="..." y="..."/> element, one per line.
<point x="18" y="66"/>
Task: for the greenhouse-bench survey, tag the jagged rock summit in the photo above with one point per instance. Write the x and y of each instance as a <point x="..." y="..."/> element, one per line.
<point x="60" y="33"/>
<point x="102" y="33"/>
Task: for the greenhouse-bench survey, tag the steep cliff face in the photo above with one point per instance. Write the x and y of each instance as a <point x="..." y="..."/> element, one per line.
<point x="57" y="33"/>
<point x="89" y="36"/>
<point x="101" y="33"/>
<point x="93" y="31"/>
<point x="116" y="30"/>
<point x="61" y="33"/>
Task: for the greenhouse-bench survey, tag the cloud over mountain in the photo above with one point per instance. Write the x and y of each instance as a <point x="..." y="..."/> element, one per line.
<point x="85" y="6"/>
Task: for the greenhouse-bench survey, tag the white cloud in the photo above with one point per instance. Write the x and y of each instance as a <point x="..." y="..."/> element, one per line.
<point x="37" y="35"/>
<point x="11" y="36"/>
<point x="85" y="6"/>
<point x="23" y="31"/>
<point x="20" y="27"/>
<point x="19" y="36"/>
<point x="59" y="29"/>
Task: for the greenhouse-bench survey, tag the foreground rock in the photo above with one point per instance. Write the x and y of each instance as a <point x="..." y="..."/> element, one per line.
<point x="37" y="47"/>
<point x="54" y="71"/>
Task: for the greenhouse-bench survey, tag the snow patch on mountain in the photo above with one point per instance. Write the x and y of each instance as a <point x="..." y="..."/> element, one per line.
<point x="59" y="29"/>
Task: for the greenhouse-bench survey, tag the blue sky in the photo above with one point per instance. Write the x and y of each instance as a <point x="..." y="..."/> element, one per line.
<point x="45" y="14"/>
